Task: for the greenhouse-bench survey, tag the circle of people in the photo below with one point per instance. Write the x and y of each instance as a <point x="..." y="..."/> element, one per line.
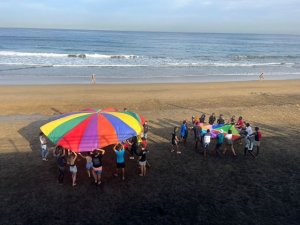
<point x="65" y="157"/>
<point x="203" y="137"/>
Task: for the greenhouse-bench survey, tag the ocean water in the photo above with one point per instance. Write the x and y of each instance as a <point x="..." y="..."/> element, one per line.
<point x="42" y="56"/>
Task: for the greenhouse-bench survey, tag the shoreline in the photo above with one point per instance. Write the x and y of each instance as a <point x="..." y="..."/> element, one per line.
<point x="201" y="79"/>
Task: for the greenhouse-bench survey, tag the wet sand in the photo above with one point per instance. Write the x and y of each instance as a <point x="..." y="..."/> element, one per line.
<point x="185" y="189"/>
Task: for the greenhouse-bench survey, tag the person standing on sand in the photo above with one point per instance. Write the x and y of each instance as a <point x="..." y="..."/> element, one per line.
<point x="175" y="141"/>
<point x="73" y="168"/>
<point x="232" y="120"/>
<point x="206" y="142"/>
<point x="93" y="79"/>
<point x="145" y="130"/>
<point x="240" y="124"/>
<point x="184" y="132"/>
<point x="212" y="119"/>
<point x="97" y="165"/>
<point x="59" y="153"/>
<point x="220" y="139"/>
<point x="143" y="160"/>
<point x="44" y="148"/>
<point x="120" y="153"/>
<point x="229" y="143"/>
<point x="198" y="135"/>
<point x="221" y="119"/>
<point x="249" y="139"/>
<point x="89" y="163"/>
<point x="202" y="118"/>
<point x="134" y="147"/>
<point x="257" y="138"/>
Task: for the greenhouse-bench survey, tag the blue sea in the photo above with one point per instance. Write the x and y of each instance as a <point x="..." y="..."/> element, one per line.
<point x="48" y="56"/>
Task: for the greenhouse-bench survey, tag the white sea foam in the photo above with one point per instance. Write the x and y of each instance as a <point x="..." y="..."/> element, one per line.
<point x="228" y="64"/>
<point x="63" y="55"/>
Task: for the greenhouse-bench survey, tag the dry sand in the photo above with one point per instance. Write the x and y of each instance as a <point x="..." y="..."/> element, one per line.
<point x="183" y="189"/>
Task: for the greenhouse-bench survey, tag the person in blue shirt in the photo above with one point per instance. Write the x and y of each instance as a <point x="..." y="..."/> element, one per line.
<point x="184" y="132"/>
<point x="220" y="140"/>
<point x="120" y="153"/>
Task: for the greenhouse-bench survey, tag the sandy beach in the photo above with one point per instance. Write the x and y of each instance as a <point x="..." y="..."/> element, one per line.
<point x="185" y="189"/>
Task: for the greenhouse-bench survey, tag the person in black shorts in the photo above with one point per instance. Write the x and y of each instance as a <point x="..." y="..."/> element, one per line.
<point x="120" y="153"/>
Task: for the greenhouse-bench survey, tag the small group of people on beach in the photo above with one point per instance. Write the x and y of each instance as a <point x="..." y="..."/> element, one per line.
<point x="136" y="146"/>
<point x="251" y="139"/>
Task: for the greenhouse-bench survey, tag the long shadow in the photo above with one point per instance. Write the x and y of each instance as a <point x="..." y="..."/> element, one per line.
<point x="178" y="189"/>
<point x="56" y="110"/>
<point x="31" y="133"/>
<point x="186" y="107"/>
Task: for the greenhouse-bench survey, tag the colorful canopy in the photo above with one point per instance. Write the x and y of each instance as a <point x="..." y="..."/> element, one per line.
<point x="226" y="128"/>
<point x="215" y="129"/>
<point x="91" y="128"/>
<point x="138" y="117"/>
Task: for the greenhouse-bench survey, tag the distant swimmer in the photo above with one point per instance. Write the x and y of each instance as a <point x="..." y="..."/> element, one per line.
<point x="261" y="76"/>
<point x="93" y="79"/>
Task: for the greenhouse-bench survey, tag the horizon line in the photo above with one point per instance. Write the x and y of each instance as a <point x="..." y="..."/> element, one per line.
<point x="149" y="31"/>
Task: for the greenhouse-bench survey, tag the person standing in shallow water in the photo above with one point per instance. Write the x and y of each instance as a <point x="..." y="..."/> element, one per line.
<point x="93" y="79"/>
<point x="261" y="76"/>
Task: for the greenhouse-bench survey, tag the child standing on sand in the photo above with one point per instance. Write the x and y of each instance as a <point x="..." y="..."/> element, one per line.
<point x="97" y="165"/>
<point x="220" y="139"/>
<point x="212" y="119"/>
<point x="73" y="168"/>
<point x="146" y="128"/>
<point x="44" y="148"/>
<point x="229" y="143"/>
<point x="143" y="160"/>
<point x="198" y="134"/>
<point x="206" y="141"/>
<point x="89" y="163"/>
<point x="175" y="141"/>
<point x="202" y="118"/>
<point x="120" y="153"/>
<point x="134" y="147"/>
<point x="184" y="132"/>
<point x="249" y="139"/>
<point x="59" y="154"/>
<point x="257" y="138"/>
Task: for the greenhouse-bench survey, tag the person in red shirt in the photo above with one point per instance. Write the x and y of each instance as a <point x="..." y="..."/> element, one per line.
<point x="240" y="123"/>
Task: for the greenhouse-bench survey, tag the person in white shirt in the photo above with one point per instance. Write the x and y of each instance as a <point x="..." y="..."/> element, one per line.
<point x="249" y="140"/>
<point x="248" y="129"/>
<point x="44" y="148"/>
<point x="206" y="141"/>
<point x="229" y="143"/>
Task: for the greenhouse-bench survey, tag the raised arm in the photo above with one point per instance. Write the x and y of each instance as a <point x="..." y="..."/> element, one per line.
<point x="115" y="147"/>
<point x="75" y="156"/>
<point x="101" y="150"/>
<point x="81" y="155"/>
